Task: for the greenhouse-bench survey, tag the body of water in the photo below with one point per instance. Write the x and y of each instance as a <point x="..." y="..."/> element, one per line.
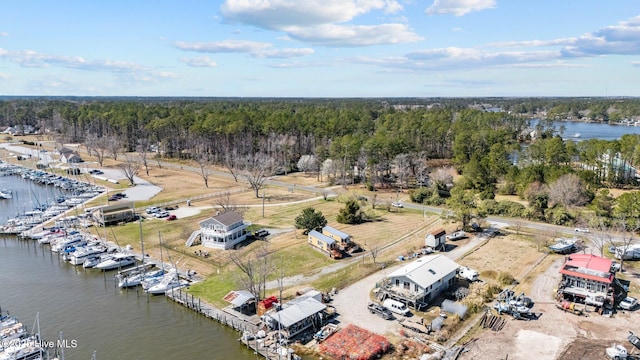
<point x="90" y="310"/>
<point x="591" y="130"/>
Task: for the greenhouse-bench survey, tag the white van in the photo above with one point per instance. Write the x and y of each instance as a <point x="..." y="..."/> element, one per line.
<point x="396" y="307"/>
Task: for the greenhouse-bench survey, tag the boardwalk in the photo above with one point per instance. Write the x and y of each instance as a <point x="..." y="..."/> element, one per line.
<point x="265" y="347"/>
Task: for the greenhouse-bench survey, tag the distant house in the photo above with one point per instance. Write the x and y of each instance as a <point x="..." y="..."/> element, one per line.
<point x="69" y="156"/>
<point x="421" y="281"/>
<point x="322" y="242"/>
<point x="342" y="238"/>
<point x="223" y="231"/>
<point x="436" y="239"/>
<point x="588" y="279"/>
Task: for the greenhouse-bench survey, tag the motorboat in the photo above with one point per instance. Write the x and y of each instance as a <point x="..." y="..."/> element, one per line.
<point x="6" y="194"/>
<point x="93" y="260"/>
<point x="62" y="243"/>
<point x="117" y="261"/>
<point x="136" y="279"/>
<point x="170" y="281"/>
<point x="80" y="255"/>
<point x="564" y="245"/>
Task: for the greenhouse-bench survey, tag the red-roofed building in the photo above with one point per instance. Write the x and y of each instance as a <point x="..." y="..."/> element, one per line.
<point x="587" y="278"/>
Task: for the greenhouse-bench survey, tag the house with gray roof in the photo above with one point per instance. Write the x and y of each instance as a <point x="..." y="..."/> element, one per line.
<point x="223" y="231"/>
<point x="419" y="282"/>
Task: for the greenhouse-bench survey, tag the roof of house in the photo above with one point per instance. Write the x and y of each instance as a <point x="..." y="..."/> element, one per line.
<point x="226" y="219"/>
<point x="297" y="311"/>
<point x="588" y="266"/>
<point x="238" y="297"/>
<point x="438" y="232"/>
<point x="427" y="270"/>
<point x="336" y="232"/>
<point x="322" y="237"/>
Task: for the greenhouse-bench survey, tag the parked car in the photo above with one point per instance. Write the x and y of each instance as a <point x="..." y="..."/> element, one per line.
<point x="397" y="204"/>
<point x="261" y="233"/>
<point x="172" y="217"/>
<point x="582" y="229"/>
<point x="628" y="303"/>
<point x="152" y="210"/>
<point x="615" y="267"/>
<point x="161" y="214"/>
<point x="380" y="310"/>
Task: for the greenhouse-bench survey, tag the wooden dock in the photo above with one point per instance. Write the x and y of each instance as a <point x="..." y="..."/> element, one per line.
<point x="265" y="347"/>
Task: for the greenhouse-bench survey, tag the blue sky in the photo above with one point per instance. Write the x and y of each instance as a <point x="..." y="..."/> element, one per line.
<point x="320" y="48"/>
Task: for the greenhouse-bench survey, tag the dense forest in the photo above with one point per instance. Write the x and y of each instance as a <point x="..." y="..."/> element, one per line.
<point x="377" y="142"/>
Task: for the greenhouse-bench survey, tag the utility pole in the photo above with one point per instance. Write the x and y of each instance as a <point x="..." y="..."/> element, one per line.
<point x="262" y="203"/>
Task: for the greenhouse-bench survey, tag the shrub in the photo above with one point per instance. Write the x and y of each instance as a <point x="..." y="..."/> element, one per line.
<point x="505" y="278"/>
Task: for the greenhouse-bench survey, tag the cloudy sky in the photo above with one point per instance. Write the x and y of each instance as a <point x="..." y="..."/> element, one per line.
<point x="320" y="48"/>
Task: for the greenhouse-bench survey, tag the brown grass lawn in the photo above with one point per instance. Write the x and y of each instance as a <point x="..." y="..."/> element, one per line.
<point x="509" y="254"/>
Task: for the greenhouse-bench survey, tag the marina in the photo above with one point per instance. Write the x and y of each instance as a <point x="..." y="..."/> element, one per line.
<point x="73" y="299"/>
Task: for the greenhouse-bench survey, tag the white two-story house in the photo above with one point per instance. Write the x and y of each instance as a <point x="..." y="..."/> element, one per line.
<point x="223" y="231"/>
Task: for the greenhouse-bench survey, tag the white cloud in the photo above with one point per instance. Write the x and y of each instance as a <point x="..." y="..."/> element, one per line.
<point x="635" y="64"/>
<point x="199" y="61"/>
<point x="227" y="46"/>
<point x="354" y="35"/>
<point x="309" y="20"/>
<point x="33" y="59"/>
<point x="459" y="7"/>
<point x="254" y="48"/>
<point x="4" y="33"/>
<point x="284" y="53"/>
<point x="4" y="76"/>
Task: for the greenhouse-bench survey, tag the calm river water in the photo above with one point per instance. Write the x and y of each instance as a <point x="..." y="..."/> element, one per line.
<point x="90" y="310"/>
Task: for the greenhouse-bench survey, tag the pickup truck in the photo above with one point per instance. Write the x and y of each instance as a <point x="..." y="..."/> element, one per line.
<point x="380" y="310"/>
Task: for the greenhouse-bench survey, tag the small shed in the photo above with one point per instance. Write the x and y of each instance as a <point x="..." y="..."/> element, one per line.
<point x="436" y="239"/>
<point x="242" y="300"/>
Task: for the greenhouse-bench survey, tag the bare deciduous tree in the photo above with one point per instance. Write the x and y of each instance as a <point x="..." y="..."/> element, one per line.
<point x="374" y="253"/>
<point x="224" y="202"/>
<point x="130" y="167"/>
<point x="307" y="163"/>
<point x="258" y="168"/>
<point x="402" y="164"/>
<point x="626" y="240"/>
<point x="113" y="145"/>
<point x="601" y="236"/>
<point x="255" y="268"/>
<point x="143" y="151"/>
<point x="568" y="191"/>
<point x="233" y="162"/>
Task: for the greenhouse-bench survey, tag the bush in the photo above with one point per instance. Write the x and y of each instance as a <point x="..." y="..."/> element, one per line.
<point x="420" y="195"/>
<point x="505" y="278"/>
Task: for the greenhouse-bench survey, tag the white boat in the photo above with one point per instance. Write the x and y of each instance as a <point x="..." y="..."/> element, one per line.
<point x="63" y="242"/>
<point x="117" y="261"/>
<point x="576" y="135"/>
<point x="169" y="281"/>
<point x="92" y="261"/>
<point x="6" y="194"/>
<point x="564" y="245"/>
<point x="137" y="278"/>
<point x="80" y="255"/>
<point x="24" y="349"/>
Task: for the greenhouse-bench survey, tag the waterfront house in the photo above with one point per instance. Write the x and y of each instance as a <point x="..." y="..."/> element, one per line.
<point x="114" y="214"/>
<point x="588" y="279"/>
<point x="436" y="239"/>
<point x="223" y="231"/>
<point x="419" y="282"/>
<point x="296" y="316"/>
